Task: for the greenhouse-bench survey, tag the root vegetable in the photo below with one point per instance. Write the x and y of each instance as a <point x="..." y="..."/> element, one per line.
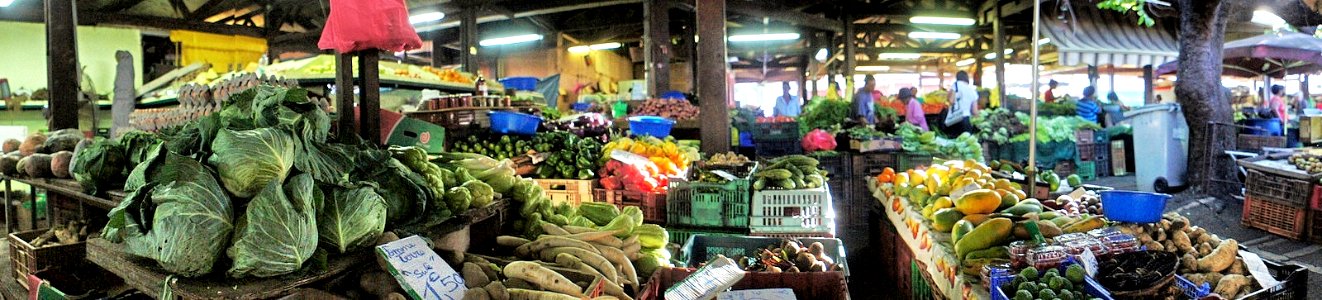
<point x="609" y="241"/>
<point x="1238" y="268"/>
<point x="473" y="276"/>
<point x="32" y="144"/>
<point x="553" y="229"/>
<point x="1154" y="246"/>
<point x="1182" y="242"/>
<point x="1213" y="278"/>
<point x="511" y="241"/>
<point x="593" y="236"/>
<point x="548" y="242"/>
<point x="515" y="283"/>
<point x="1188" y="263"/>
<point x="497" y="291"/>
<point x="627" y="271"/>
<point x="396" y="296"/>
<point x="573" y="263"/>
<point x="1220" y="258"/>
<point x="59" y="164"/>
<point x="1230" y="285"/>
<point x="522" y="294"/>
<point x="36" y="165"/>
<point x="595" y="260"/>
<point x="804" y="261"/>
<point x="577" y="229"/>
<point x="609" y="288"/>
<point x="476" y="294"/>
<point x="10" y="145"/>
<point x="541" y="277"/>
<point x="816" y="249"/>
<point x="1204" y="249"/>
<point x="377" y="283"/>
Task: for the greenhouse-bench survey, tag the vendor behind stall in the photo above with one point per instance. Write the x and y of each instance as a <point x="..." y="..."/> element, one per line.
<point x="1114" y="108"/>
<point x="787" y="105"/>
<point x="914" y="112"/>
<point x="1088" y="108"/>
<point x="862" y="104"/>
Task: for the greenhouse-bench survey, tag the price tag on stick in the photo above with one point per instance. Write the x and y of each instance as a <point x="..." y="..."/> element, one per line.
<point x="422" y="273"/>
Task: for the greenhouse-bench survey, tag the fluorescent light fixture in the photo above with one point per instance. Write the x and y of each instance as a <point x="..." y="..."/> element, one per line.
<point x="993" y="55"/>
<point x="6" y="3"/>
<point x="1268" y="18"/>
<point x="941" y="20"/>
<point x="523" y="38"/>
<point x="1044" y="41"/>
<point x="899" y="56"/>
<point x="965" y="62"/>
<point x="872" y="68"/>
<point x="604" y="46"/>
<point x="414" y="19"/>
<point x="927" y="74"/>
<point x="934" y="35"/>
<point x="580" y="49"/>
<point x="820" y="56"/>
<point x="764" y="37"/>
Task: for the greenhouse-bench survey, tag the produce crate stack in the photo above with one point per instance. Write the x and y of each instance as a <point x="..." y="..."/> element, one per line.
<point x="1277" y="204"/>
<point x="791" y="198"/>
<point x="1094" y="154"/>
<point x="653" y="205"/>
<point x="573" y="192"/>
<point x="913" y="160"/>
<point x="771" y="139"/>
<point x="705" y="203"/>
<point x="839" y="171"/>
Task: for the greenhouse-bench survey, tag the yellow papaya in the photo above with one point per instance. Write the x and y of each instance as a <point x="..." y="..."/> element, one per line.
<point x="981" y="201"/>
<point x="994" y="232"/>
<point x="977" y="219"/>
<point x="1022" y="209"/>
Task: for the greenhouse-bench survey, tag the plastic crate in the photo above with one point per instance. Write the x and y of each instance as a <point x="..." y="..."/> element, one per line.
<point x="918" y="286"/>
<point x="1084" y="136"/>
<point x="1093" y="151"/>
<point x="702" y="204"/>
<point x="567" y="191"/>
<point x="681" y="235"/>
<point x="792" y="211"/>
<point x="910" y="160"/>
<point x="806" y="285"/>
<point x="28" y="260"/>
<point x="769" y="149"/>
<point x="1064" y="168"/>
<point x="1293" y="283"/>
<point x="1315" y="226"/>
<point x="1087" y="170"/>
<point x="836" y="166"/>
<point x="775" y="131"/>
<point x="701" y="249"/>
<point x="870" y="164"/>
<point x="653" y="205"/>
<point x="847" y="208"/>
<point x="1001" y="277"/>
<point x="1118" y="156"/>
<point x="1278" y="218"/>
<point x="1103" y="168"/>
<point x="1285" y="190"/>
<point x="1255" y="143"/>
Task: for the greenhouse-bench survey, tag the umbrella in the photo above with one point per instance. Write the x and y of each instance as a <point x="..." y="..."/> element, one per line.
<point x="1272" y="54"/>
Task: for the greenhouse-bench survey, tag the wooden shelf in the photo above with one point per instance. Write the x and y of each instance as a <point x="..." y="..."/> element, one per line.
<point x="70" y="188"/>
<point x="399" y="83"/>
<point x="145" y="275"/>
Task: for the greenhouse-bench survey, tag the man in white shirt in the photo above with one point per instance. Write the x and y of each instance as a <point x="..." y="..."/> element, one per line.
<point x="787" y="105"/>
<point x="963" y="96"/>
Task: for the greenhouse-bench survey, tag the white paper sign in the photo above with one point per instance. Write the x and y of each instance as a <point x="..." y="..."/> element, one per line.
<point x="762" y="294"/>
<point x="422" y="273"/>
<point x="1258" y="268"/>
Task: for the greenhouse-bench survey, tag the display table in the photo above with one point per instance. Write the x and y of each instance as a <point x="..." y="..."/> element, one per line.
<point x="932" y="250"/>
<point x="60" y="193"/>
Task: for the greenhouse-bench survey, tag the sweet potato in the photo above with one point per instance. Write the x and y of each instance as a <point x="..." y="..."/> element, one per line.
<point x="1188" y="263"/>
<point x="1238" y="268"/>
<point x="1204" y="249"/>
<point x="38" y="165"/>
<point x="476" y="294"/>
<point x="1182" y="242"/>
<point x="1220" y="258"/>
<point x="32" y="144"/>
<point x="1230" y="285"/>
<point x="541" y="277"/>
<point x="59" y="164"/>
<point x="9" y="164"/>
<point x="377" y="283"/>
<point x="10" y="145"/>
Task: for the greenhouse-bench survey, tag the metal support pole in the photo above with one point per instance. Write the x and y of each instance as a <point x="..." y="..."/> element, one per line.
<point x="468" y="56"/>
<point x="1032" y="111"/>
<point x="712" y="76"/>
<point x="977" y="63"/>
<point x="369" y="94"/>
<point x="656" y="40"/>
<point x="344" y="107"/>
<point x="62" y="79"/>
<point x="998" y="47"/>
<point x="437" y="53"/>
<point x="1148" y="80"/>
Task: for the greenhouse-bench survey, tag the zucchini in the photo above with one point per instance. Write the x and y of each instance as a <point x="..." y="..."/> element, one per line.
<point x="776" y="174"/>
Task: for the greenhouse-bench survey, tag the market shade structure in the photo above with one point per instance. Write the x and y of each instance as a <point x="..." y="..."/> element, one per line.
<point x="1272" y="54"/>
<point x="1086" y="35"/>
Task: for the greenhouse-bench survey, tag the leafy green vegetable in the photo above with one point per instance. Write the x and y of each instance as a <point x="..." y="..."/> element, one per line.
<point x="352" y="217"/>
<point x="279" y="230"/>
<point x="822" y="113"/>
<point x="99" y="166"/>
<point x="459" y="198"/>
<point x="406" y="194"/>
<point x="183" y="224"/>
<point x="249" y="160"/>
<point x="481" y="192"/>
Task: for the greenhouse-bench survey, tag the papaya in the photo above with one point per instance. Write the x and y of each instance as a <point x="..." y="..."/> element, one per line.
<point x="961" y="228"/>
<point x="1021" y="209"/>
<point x="1008" y="199"/>
<point x="981" y="201"/>
<point x="1048" y="215"/>
<point x="976" y="219"/>
<point x="1000" y="252"/>
<point x="1031" y="201"/>
<point x="943" y="202"/>
<point x="943" y="220"/>
<point x="1063" y="220"/>
<point x="1088" y="223"/>
<point x="991" y="233"/>
<point x="1048" y="230"/>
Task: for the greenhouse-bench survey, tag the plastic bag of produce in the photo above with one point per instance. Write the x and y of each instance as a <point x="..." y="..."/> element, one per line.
<point x="818" y="140"/>
<point x="368" y="24"/>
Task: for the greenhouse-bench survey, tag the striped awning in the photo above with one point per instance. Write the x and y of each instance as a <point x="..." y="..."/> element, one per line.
<point x="1086" y="35"/>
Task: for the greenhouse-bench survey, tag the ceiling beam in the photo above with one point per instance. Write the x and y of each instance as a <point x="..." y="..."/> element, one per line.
<point x="168" y="23"/>
<point x="550" y="10"/>
<point x="785" y="15"/>
<point x="925" y="50"/>
<point x="119" y="5"/>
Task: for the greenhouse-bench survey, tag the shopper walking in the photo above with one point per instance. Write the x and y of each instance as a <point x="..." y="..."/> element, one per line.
<point x="862" y="104"/>
<point x="914" y="110"/>
<point x="963" y="97"/>
<point x="1276" y="104"/>
<point x="1088" y="108"/>
<point x="787" y="105"/>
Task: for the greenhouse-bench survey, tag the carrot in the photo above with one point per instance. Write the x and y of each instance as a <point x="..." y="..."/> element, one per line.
<point x="553" y="229"/>
<point x="522" y="294"/>
<point x="616" y="256"/>
<point x="588" y="256"/>
<point x="541" y="277"/>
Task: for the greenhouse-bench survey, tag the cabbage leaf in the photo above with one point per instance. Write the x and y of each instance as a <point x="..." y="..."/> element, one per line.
<point x="351" y="217"/>
<point x="249" y="160"/>
<point x="183" y="223"/>
<point x="279" y="230"/>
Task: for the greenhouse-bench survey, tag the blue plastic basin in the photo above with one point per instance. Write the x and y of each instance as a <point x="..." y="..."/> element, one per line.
<point x="520" y="83"/>
<point x="1133" y="207"/>
<point x="651" y="125"/>
<point x="504" y="122"/>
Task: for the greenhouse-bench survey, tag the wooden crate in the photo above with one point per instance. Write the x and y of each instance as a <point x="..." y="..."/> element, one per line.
<point x="27" y="259"/>
<point x="567" y="190"/>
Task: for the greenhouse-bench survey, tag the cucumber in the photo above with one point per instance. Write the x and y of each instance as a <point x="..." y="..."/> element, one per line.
<point x="776" y="174"/>
<point x="760" y="184"/>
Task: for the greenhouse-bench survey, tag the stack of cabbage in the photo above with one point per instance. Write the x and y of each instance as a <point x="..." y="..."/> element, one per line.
<point x="260" y="183"/>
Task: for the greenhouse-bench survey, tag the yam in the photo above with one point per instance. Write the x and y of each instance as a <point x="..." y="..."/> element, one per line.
<point x="1204" y="249"/>
<point x="10" y="145"/>
<point x="476" y="294"/>
<point x="1220" y="258"/>
<point x="473" y="276"/>
<point x="1238" y="268"/>
<point x="496" y="291"/>
<point x="9" y="164"/>
<point x="59" y="164"/>
<point x="31" y="144"/>
<point x="1231" y="285"/>
<point x="1154" y="246"/>
<point x="1188" y="263"/>
<point x="38" y="165"/>
<point x="1182" y="242"/>
<point x="1213" y="278"/>
<point x="62" y="142"/>
<point x="377" y="283"/>
<point x="541" y="277"/>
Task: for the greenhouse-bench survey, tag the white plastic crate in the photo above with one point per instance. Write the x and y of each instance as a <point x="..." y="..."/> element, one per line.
<point x="792" y="211"/>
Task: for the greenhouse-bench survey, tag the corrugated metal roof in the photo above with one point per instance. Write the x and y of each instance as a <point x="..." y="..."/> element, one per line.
<point x="1085" y="35"/>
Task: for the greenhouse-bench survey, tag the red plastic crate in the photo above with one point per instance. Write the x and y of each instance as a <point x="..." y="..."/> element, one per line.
<point x="1316" y="200"/>
<point x="1278" y="218"/>
<point x="653" y="205"/>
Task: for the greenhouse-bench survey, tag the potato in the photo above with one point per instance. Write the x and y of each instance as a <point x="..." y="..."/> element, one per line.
<point x="1238" y="267"/>
<point x="1182" y="242"/>
<point x="1204" y="249"/>
<point x="10" y="145"/>
<point x="1231" y="284"/>
<point x="1154" y="246"/>
<point x="32" y="144"/>
<point x="59" y="164"/>
<point x="377" y="283"/>
<point x="804" y="261"/>
<point x="497" y="291"/>
<point x="37" y="165"/>
<point x="476" y="294"/>
<point x="9" y="164"/>
<point x="1188" y="263"/>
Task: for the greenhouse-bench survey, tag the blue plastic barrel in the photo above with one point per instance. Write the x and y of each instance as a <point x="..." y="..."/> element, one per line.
<point x="651" y="126"/>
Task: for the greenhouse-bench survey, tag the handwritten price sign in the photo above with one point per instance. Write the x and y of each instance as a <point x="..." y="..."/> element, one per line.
<point x="422" y="273"/>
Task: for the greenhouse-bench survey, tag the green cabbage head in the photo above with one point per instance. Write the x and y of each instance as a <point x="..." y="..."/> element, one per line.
<point x="249" y="160"/>
<point x="279" y="230"/>
<point x="351" y="218"/>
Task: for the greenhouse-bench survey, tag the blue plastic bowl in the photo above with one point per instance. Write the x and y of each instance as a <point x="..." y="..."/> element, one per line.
<point x="651" y="125"/>
<point x="581" y="106"/>
<point x="504" y="122"/>
<point x="520" y="83"/>
<point x="1133" y="207"/>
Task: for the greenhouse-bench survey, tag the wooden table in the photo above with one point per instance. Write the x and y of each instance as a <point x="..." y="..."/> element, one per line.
<point x="145" y="275"/>
<point x="57" y="190"/>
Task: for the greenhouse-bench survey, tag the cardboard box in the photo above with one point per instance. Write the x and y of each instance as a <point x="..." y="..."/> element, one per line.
<point x="1118" y="158"/>
<point x="398" y="130"/>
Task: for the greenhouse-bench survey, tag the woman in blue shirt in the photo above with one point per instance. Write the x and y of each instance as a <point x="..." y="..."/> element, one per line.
<point x="1088" y="108"/>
